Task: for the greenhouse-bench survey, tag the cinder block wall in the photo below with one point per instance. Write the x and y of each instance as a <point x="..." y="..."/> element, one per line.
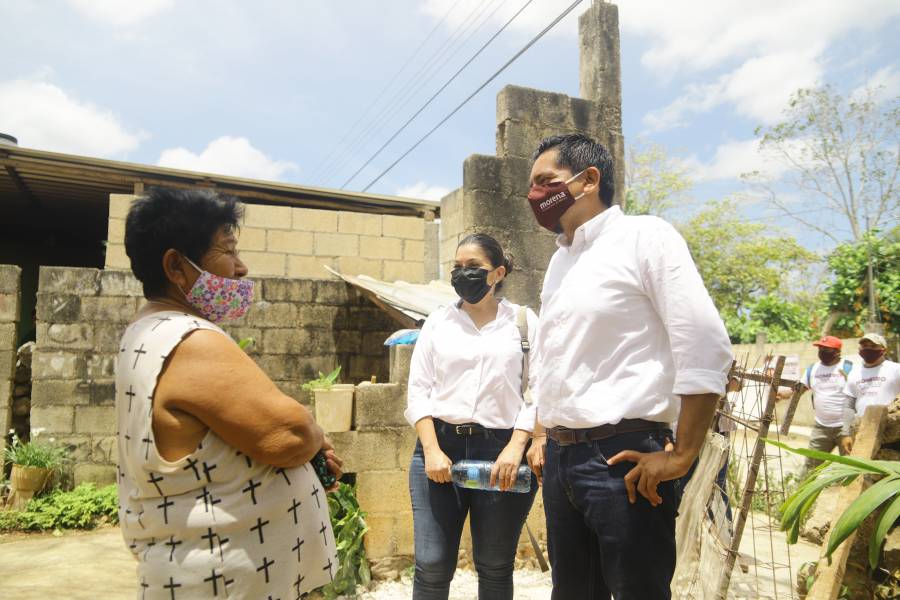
<point x="300" y="327"/>
<point x="281" y="241"/>
<point x="10" y="297"/>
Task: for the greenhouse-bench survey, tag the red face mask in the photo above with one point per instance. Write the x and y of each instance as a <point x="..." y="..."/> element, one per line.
<point x="550" y="201"/>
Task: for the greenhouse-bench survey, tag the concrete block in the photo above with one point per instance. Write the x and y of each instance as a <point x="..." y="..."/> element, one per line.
<point x="7" y="336"/>
<point x="333" y="293"/>
<point x="9" y="308"/>
<point x="10" y="276"/>
<point x="57" y="364"/>
<point x="116" y="231"/>
<point x="71" y="336"/>
<point x="104" y="449"/>
<point x="7" y="364"/>
<point x="116" y="258"/>
<point x="359" y="223"/>
<point x="288" y="290"/>
<point x="347" y="342"/>
<point x="103" y="392"/>
<point x="119" y="205"/>
<point x="354" y="265"/>
<point x="482" y="172"/>
<point x="310" y="267"/>
<point x="390" y="534"/>
<point x="118" y="283"/>
<point x="371" y="450"/>
<point x="58" y="308"/>
<point x="267" y="217"/>
<point x="414" y="251"/>
<point x="412" y="272"/>
<point x="102" y="475"/>
<point x="115" y="309"/>
<point x="322" y="342"/>
<point x="410" y="228"/>
<point x="383" y="491"/>
<point x="95" y="419"/>
<point x="79" y="448"/>
<point x="286" y="341"/>
<point x="56" y="392"/>
<point x="400" y="358"/>
<point x="289" y="242"/>
<point x="265" y="263"/>
<point x="336" y="244"/>
<point x="380" y="405"/>
<point x="251" y="238"/>
<point x="380" y="247"/>
<point x="311" y="219"/>
<point x="107" y="336"/>
<point x="69" y="280"/>
<point x="53" y="419"/>
<point x="272" y="314"/>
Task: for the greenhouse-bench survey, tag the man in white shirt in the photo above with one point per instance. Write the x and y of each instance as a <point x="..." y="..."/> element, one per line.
<point x="628" y="341"/>
<point x="826" y="379"/>
<point x="877" y="382"/>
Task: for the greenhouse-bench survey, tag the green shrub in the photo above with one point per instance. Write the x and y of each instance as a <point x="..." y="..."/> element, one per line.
<point x="85" y="507"/>
<point x="349" y="528"/>
<point x="34" y="454"/>
<point x="322" y="382"/>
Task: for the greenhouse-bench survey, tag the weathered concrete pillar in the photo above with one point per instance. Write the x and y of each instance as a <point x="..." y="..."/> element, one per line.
<point x="10" y="298"/>
<point x="601" y="72"/>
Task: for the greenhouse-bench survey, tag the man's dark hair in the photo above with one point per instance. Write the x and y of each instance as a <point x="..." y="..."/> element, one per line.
<point x="185" y="220"/>
<point x="577" y="152"/>
<point x="492" y="250"/>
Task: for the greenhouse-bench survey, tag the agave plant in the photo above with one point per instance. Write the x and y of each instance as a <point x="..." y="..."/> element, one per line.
<point x="843" y="470"/>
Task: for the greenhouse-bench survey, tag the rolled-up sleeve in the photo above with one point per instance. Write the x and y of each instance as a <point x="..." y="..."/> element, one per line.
<point x="700" y="346"/>
<point x="421" y="377"/>
<point x="527" y="416"/>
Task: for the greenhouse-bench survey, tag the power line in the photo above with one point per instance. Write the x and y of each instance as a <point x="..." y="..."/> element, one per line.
<point x="424" y="82"/>
<point x="387" y="109"/>
<point x="371" y="105"/>
<point x="437" y="93"/>
<point x="473" y="94"/>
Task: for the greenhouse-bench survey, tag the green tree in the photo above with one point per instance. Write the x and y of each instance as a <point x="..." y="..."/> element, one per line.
<point x="654" y="182"/>
<point x="847" y="295"/>
<point x="745" y="267"/>
<point x="841" y="155"/>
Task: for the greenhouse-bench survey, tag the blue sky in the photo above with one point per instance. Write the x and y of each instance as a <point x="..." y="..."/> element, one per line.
<point x="267" y="89"/>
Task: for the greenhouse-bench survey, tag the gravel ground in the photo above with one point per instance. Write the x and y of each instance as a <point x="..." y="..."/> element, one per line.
<point x="529" y="585"/>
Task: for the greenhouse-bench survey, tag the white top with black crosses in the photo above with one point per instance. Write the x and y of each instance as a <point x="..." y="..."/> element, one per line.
<point x="214" y="524"/>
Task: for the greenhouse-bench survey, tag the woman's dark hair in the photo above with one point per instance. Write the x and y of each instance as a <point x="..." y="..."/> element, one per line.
<point x="577" y="152"/>
<point x="492" y="250"/>
<point x="184" y="220"/>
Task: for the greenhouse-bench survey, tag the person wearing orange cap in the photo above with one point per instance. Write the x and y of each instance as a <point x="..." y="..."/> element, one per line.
<point x="826" y="380"/>
<point x="877" y="382"/>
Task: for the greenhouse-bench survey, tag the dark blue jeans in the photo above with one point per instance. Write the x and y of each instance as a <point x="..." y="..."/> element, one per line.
<point x="599" y="543"/>
<point x="439" y="513"/>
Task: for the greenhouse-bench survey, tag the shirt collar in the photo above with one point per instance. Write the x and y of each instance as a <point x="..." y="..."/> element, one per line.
<point x="590" y="231"/>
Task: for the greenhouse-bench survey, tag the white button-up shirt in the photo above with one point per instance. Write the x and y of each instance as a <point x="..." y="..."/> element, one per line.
<point x="461" y="374"/>
<point x="626" y="326"/>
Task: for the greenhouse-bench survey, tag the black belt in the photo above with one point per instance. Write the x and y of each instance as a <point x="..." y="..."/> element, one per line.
<point x="463" y="429"/>
<point x="565" y="436"/>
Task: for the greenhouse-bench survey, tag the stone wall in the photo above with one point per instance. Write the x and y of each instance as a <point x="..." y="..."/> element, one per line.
<point x="301" y="327"/>
<point x="281" y="241"/>
<point x="10" y="298"/>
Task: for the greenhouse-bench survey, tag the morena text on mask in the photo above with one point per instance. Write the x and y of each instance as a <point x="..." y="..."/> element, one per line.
<point x="552" y="200"/>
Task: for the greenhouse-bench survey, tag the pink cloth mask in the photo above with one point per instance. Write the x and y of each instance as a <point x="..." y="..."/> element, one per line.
<point x="219" y="298"/>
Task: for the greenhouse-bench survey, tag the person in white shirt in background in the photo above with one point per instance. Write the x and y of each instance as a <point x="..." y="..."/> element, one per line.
<point x="628" y="341"/>
<point x="465" y="401"/>
<point x="826" y="379"/>
<point x="877" y="382"/>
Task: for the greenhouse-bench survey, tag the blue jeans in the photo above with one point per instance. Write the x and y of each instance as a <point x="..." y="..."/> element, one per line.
<point x="599" y="543"/>
<point x="439" y="513"/>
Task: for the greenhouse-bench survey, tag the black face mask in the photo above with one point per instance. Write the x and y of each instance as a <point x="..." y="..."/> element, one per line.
<point x="871" y="355"/>
<point x="826" y="356"/>
<point x="470" y="283"/>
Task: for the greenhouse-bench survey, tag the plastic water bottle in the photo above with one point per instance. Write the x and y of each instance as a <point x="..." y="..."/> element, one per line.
<point x="476" y="475"/>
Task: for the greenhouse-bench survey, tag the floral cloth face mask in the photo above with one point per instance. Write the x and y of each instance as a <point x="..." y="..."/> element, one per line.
<point x="219" y="298"/>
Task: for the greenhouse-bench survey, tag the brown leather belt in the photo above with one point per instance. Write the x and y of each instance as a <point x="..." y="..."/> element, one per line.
<point x="565" y="436"/>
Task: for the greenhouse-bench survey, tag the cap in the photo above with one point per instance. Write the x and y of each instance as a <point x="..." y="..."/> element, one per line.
<point x="829" y="341"/>
<point x="875" y="338"/>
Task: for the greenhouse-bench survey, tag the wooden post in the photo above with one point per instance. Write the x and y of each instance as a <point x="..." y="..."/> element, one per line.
<point x="750" y="482"/>
<point x="828" y="579"/>
<point x="792" y="408"/>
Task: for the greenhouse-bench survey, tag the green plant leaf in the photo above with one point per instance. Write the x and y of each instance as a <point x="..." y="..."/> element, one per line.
<point x="884" y="524"/>
<point x="800" y="501"/>
<point x="882" y="467"/>
<point x="866" y="504"/>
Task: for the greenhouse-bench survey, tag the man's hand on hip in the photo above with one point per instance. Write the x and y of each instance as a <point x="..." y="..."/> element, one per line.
<point x="651" y="469"/>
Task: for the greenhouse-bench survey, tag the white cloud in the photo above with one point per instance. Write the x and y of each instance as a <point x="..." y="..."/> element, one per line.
<point x="733" y="159"/>
<point x="423" y="191"/>
<point x="468" y="15"/>
<point x="41" y="115"/>
<point x="777" y="46"/>
<point x="884" y="85"/>
<point x="233" y="156"/>
<point x="121" y="14"/>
